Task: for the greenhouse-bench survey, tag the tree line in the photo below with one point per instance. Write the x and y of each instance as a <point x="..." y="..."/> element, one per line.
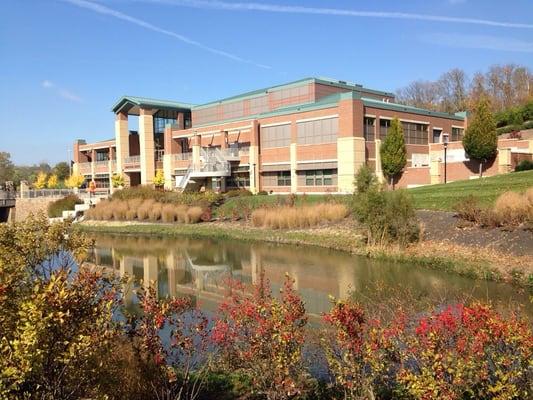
<point x="505" y="86"/>
<point x="30" y="173"/>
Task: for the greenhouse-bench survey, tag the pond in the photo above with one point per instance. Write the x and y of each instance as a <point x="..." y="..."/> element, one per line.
<point x="200" y="267"/>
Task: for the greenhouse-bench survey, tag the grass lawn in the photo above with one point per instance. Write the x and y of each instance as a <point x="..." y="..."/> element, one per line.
<point x="444" y="197"/>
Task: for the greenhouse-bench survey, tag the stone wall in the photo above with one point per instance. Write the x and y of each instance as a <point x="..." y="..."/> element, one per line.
<point x="26" y="206"/>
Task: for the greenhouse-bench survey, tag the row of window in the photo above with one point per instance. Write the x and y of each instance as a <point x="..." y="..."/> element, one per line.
<point x="414" y="133"/>
<point x="308" y="132"/>
<point x="316" y="177"/>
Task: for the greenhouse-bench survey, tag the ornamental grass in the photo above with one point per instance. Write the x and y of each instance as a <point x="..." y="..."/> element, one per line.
<point x="287" y="217"/>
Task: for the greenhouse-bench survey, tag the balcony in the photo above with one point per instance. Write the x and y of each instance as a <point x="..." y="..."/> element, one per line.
<point x="132" y="162"/>
<point x="182" y="156"/>
<point x="85" y="168"/>
<point x="101" y="167"/>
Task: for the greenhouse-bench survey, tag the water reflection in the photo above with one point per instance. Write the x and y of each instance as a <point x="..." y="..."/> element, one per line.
<point x="199" y="268"/>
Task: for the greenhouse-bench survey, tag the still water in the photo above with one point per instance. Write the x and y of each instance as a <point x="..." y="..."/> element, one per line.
<point x="200" y="267"/>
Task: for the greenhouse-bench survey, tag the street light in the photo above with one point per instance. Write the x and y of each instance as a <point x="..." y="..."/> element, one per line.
<point x="69" y="150"/>
<point x="445" y="143"/>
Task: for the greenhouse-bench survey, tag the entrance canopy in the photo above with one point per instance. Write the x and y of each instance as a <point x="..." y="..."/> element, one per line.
<point x="132" y="105"/>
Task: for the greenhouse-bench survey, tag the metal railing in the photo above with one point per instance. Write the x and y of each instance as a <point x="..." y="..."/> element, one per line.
<point x="230" y="152"/>
<point x="158" y="155"/>
<point x="182" y="156"/>
<point x="132" y="160"/>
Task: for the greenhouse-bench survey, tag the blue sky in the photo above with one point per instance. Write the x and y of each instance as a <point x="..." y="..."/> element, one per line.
<point x="63" y="63"/>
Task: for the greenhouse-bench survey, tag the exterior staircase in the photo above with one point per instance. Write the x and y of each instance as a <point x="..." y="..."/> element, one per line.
<point x="213" y="163"/>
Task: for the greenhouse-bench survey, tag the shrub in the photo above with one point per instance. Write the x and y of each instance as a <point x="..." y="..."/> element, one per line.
<point x="388" y="216"/>
<point x="511" y="208"/>
<point x="56" y="208"/>
<point x="283" y="217"/>
<point x="364" y="179"/>
<point x="194" y="214"/>
<point x="117" y="180"/>
<point x="469" y="209"/>
<point x="168" y="213"/>
<point x="524" y="165"/>
<point x="262" y="193"/>
<point x="119" y="210"/>
<point x="143" y="211"/>
<point x="181" y="214"/>
<point x="262" y="337"/>
<point x="74" y="181"/>
<point x="154" y="214"/>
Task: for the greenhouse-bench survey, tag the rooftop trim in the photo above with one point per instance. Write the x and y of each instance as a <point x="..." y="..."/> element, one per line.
<point x="149" y="103"/>
<point x="410" y="109"/>
<point x="325" y="81"/>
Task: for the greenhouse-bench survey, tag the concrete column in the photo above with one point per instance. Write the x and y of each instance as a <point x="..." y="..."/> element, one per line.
<point x="254" y="157"/>
<point x="196" y="143"/>
<point x="146" y="145"/>
<point x="294" y="157"/>
<point x="378" y="169"/>
<point x="180" y="121"/>
<point x="504" y="160"/>
<point x="167" y="158"/>
<point x="122" y="142"/>
<point x="434" y="164"/>
<point x="93" y="163"/>
<point x="224" y="139"/>
<point x="351" y="155"/>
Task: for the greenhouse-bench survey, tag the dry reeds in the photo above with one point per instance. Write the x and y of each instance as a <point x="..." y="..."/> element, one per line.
<point x="144" y="210"/>
<point x="512" y="208"/>
<point x="298" y="217"/>
<point x="194" y="214"/>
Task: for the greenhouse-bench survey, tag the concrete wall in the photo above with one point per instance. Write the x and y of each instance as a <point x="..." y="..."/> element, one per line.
<point x="26" y="206"/>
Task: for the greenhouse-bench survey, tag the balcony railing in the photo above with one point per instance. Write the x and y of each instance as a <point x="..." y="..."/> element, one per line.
<point x="132" y="161"/>
<point x="244" y="151"/>
<point x="158" y="155"/>
<point x="84" y="168"/>
<point x="182" y="156"/>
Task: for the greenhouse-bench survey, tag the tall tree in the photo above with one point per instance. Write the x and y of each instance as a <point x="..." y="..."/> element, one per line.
<point x="7" y="169"/>
<point x="452" y="87"/>
<point x="393" y="151"/>
<point x="481" y="140"/>
<point x="423" y="94"/>
<point x="62" y="170"/>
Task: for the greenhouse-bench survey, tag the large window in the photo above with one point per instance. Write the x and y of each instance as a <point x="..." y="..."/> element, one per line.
<point x="320" y="177"/>
<point x="102" y="156"/>
<point x="457" y="134"/>
<point x="284" y="178"/>
<point x="384" y="125"/>
<point x="318" y="131"/>
<point x="415" y="133"/>
<point x="239" y="180"/>
<point x="275" y="136"/>
<point x="369" y="129"/>
<point x="291" y="95"/>
<point x="259" y="105"/>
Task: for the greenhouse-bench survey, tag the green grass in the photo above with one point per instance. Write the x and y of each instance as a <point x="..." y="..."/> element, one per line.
<point x="240" y="206"/>
<point x="444" y="197"/>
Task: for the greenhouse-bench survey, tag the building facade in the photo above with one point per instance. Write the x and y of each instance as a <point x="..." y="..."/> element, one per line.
<point x="307" y="136"/>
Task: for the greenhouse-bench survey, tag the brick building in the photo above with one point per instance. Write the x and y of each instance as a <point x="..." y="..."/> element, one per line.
<point x="307" y="136"/>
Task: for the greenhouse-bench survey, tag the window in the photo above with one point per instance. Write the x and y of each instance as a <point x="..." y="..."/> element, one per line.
<point x="102" y="156"/>
<point x="318" y="131"/>
<point x="320" y="177"/>
<point x="233" y="110"/>
<point x="369" y="129"/>
<point x="275" y="136"/>
<point x="259" y="105"/>
<point x="284" y="178"/>
<point x="240" y="180"/>
<point x="415" y="133"/>
<point x="457" y="134"/>
<point x="292" y="95"/>
<point x="384" y="125"/>
<point x="436" y="135"/>
<point x="205" y="115"/>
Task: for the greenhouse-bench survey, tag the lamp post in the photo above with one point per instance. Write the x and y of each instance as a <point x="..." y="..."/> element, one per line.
<point x="445" y="143"/>
<point x="69" y="161"/>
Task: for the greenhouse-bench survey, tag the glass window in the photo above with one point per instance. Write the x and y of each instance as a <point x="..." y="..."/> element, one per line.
<point x="415" y="133"/>
<point x="319" y="131"/>
<point x="369" y="129"/>
<point x="275" y="136"/>
<point x="284" y="178"/>
<point x="320" y="177"/>
<point x="384" y="125"/>
<point x="457" y="134"/>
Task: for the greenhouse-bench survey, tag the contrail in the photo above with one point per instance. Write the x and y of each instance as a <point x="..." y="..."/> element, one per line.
<point x="276" y="8"/>
<point x="101" y="9"/>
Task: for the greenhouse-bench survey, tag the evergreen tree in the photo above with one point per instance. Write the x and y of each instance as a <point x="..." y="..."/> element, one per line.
<point x="481" y="140"/>
<point x="393" y="151"/>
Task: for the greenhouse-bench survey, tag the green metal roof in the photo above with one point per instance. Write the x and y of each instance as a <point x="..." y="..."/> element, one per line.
<point x="324" y="81"/>
<point x="410" y="109"/>
<point x="130" y="101"/>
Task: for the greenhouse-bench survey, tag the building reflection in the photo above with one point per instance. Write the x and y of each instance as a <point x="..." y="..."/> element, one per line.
<point x="200" y="269"/>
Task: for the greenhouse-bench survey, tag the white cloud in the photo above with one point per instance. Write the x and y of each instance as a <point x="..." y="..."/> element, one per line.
<point x="62" y="92"/>
<point x="486" y="42"/>
<point x="291" y="9"/>
<point x="101" y="9"/>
